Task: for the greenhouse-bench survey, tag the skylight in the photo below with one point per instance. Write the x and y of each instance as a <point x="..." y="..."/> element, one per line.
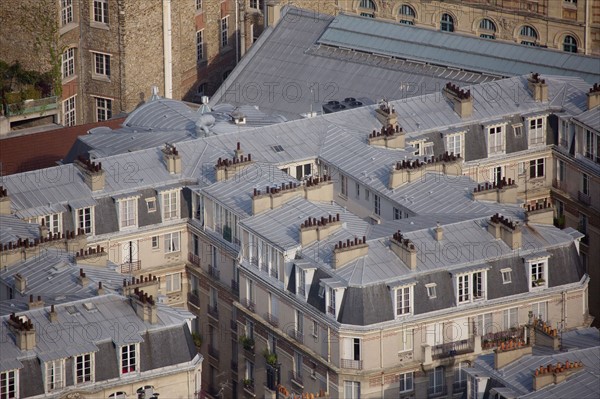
<point x="277" y="148"/>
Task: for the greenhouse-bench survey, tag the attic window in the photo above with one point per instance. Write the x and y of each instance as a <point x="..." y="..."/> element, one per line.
<point x="72" y="310"/>
<point x="431" y="291"/>
<point x="151" y="203"/>
<point x="506" y="276"/>
<point x="89" y="306"/>
<point x="277" y="148"/>
<point x="321" y="292"/>
<point x="518" y="129"/>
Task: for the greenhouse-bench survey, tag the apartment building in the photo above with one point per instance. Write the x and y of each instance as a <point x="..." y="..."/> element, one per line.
<point x="242" y="228"/>
<point x="104" y="347"/>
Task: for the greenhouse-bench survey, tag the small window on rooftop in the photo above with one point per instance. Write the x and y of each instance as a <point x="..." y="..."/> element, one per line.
<point x="277" y="148"/>
<point x="89" y="306"/>
<point x="506" y="276"/>
<point x="72" y="310"/>
<point x="431" y="291"/>
<point x="151" y="203"/>
<point x="518" y="129"/>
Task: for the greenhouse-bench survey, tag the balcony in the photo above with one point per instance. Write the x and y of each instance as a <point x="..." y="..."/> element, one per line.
<point x="585" y="199"/>
<point x="194" y="299"/>
<point x="439" y="390"/>
<point x="248" y="304"/>
<point x="130" y="267"/>
<point x="459" y="386"/>
<point x="214" y="272"/>
<point x="272" y="319"/>
<point x="213" y="352"/>
<point x="536" y="141"/>
<point x="254" y="261"/>
<point x="297" y="335"/>
<point x="559" y="185"/>
<point x="452" y="349"/>
<point x="27" y="107"/>
<point x="213" y="311"/>
<point x="194" y="259"/>
<point x="248" y="385"/>
<point x="352" y="364"/>
<point x="592" y="156"/>
<point x="493" y="340"/>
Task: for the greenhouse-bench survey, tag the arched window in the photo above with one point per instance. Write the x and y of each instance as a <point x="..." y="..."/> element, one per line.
<point x="528" y="35"/>
<point x="368" y="5"/>
<point x="447" y="23"/>
<point x="118" y="395"/>
<point x="570" y="44"/>
<point x="407" y="15"/>
<point x="487" y="29"/>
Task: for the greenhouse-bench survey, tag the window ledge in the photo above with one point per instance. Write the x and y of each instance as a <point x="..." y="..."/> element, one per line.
<point x="99" y="25"/>
<point x="102" y="78"/>
<point x="342" y="196"/>
<point x="68" y="27"/>
<point x="68" y="79"/>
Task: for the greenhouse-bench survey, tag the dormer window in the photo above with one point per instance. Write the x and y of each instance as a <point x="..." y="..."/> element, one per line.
<point x="127" y="213"/>
<point x="537" y="273"/>
<point x="53" y="222"/>
<point x="455" y="144"/>
<point x="85" y="218"/>
<point x="536" y="131"/>
<point x="403" y="301"/>
<point x="9" y="384"/>
<point x="506" y="276"/>
<point x="431" y="290"/>
<point x="496" y="140"/>
<point x="84" y="368"/>
<point x="330" y="301"/>
<point x="470" y="287"/>
<point x="129" y="359"/>
<point x="170" y="205"/>
<point x="55" y="375"/>
<point x="151" y="204"/>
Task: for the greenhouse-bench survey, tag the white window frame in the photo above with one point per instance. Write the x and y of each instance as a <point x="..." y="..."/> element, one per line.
<point x="585" y="183"/>
<point x="536" y="131"/>
<point x="66" y="12"/>
<point x="465" y="286"/>
<point x="125" y="355"/>
<point x="406" y="340"/>
<point x="437" y="383"/>
<point x="101" y="65"/>
<point x="224" y="31"/>
<point x="406" y="305"/>
<point x="100" y="12"/>
<point x="172" y="242"/>
<point x="200" y="46"/>
<point x="155" y="241"/>
<point x="455" y="143"/>
<point x="53" y="222"/>
<point x="173" y="282"/>
<point x="540" y="310"/>
<point x="447" y="23"/>
<point x="431" y="290"/>
<point x="344" y="185"/>
<point x="199" y="5"/>
<point x="534" y="273"/>
<point x="406" y="382"/>
<point x="82" y="223"/>
<point x="351" y="389"/>
<point x="534" y="165"/>
<point x="397" y="214"/>
<point x="330" y="302"/>
<point x="69" y="111"/>
<point x="510" y="318"/>
<point x="315" y="329"/>
<point x="170" y="205"/>
<point x="8" y="388"/>
<point x="55" y="375"/>
<point x="496" y="137"/>
<point x="68" y="63"/>
<point x="506" y="275"/>
<point x="103" y="108"/>
<point x="358" y="190"/>
<point x="128" y="215"/>
<point x="89" y="368"/>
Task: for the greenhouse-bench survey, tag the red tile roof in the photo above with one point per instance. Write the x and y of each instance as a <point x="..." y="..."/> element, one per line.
<point x="43" y="149"/>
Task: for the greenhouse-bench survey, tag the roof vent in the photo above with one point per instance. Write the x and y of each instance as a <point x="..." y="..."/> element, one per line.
<point x="238" y="117"/>
<point x="154" y="91"/>
<point x="386" y="114"/>
<point x="438" y="232"/>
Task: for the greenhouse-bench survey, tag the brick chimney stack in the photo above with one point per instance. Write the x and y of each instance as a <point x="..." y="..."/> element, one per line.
<point x="538" y="87"/>
<point x="24" y="332"/>
<point x="593" y="96"/>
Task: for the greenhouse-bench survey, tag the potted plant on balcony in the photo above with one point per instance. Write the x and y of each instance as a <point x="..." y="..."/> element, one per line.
<point x="247" y="343"/>
<point x="270" y="357"/>
<point x="248" y="383"/>
<point x="197" y="340"/>
<point x="539" y="282"/>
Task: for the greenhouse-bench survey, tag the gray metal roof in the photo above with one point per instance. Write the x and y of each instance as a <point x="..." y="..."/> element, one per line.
<point x="590" y="118"/>
<point x="12" y="228"/>
<point x="455" y="50"/>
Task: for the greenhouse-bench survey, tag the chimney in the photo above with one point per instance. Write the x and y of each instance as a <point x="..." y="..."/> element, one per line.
<point x="33" y="304"/>
<point x="404" y="249"/>
<point x="145" y="306"/>
<point x="20" y="283"/>
<point x="227" y="168"/>
<point x="313" y="229"/>
<point x="462" y="100"/>
<point x="554" y="373"/>
<point x="510" y="351"/>
<point x="100" y="288"/>
<point x="172" y="159"/>
<point x="345" y="252"/>
<point x="510" y="232"/>
<point x="4" y="201"/>
<point x="389" y="137"/>
<point x="386" y="115"/>
<point x="92" y="172"/>
<point x="149" y="283"/>
<point x="238" y="150"/>
<point x="593" y="96"/>
<point x="52" y="315"/>
<point x="82" y="279"/>
<point x="538" y="88"/>
<point x="24" y="332"/>
<point x="43" y="229"/>
<point x="540" y="213"/>
<point x="439" y="232"/>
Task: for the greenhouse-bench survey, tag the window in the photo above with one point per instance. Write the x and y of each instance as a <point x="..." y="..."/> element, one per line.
<point x="540" y="310"/>
<point x="172" y="242"/>
<point x="536" y="131"/>
<point x="403" y="301"/>
<point x="536" y="168"/>
<point x="101" y="65"/>
<point x="406" y="340"/>
<point x="538" y="276"/>
<point x="118" y="395"/>
<point x="66" y="12"/>
<point x="495" y="140"/>
<point x="315" y="329"/>
<point x="377" y="204"/>
<point x="128" y="213"/>
<point x="407" y="15"/>
<point x="224" y="32"/>
<point x="431" y="290"/>
<point x="367" y="4"/>
<point x="510" y="318"/>
<point x="496" y="176"/>
<point x="55" y="374"/>
<point x="53" y="223"/>
<point x="447" y="23"/>
<point x="358" y="190"/>
<point x="351" y="390"/>
<point x="299" y="322"/>
<point x="528" y="35"/>
<point x="83" y="368"/>
<point x="151" y="204"/>
<point x="592" y="146"/>
<point x="406" y="382"/>
<point x="331" y="302"/>
<point x="155" y="242"/>
<point x="454" y="144"/>
<point x="483" y="324"/>
<point x="9" y="384"/>
<point x="257" y="4"/>
<point x="585" y="183"/>
<point x="367" y="194"/>
<point x="68" y="63"/>
<point x="198" y="4"/>
<point x="103" y="109"/>
<point x="307" y="169"/>
<point x="487" y="29"/>
<point x="170" y="205"/>
<point x="298" y="360"/>
<point x="69" y="112"/>
<point x="199" y="46"/>
<point x="344" y="184"/>
<point x="518" y="130"/>
<point x="302" y="282"/>
<point x="470" y="287"/>
<point x="101" y="11"/>
<point x="128" y="358"/>
<point x="84" y="220"/>
<point x="506" y="276"/>
<point x="570" y="44"/>
<point x="173" y="282"/>
<point x="249" y="370"/>
<point x="436" y="381"/>
<point x="460" y="375"/>
<point x="397" y="213"/>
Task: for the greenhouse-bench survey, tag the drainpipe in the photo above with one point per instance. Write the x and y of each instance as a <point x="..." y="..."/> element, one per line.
<point x="167" y="56"/>
<point x="242" y="31"/>
<point x="588" y="32"/>
<point x="237" y="31"/>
